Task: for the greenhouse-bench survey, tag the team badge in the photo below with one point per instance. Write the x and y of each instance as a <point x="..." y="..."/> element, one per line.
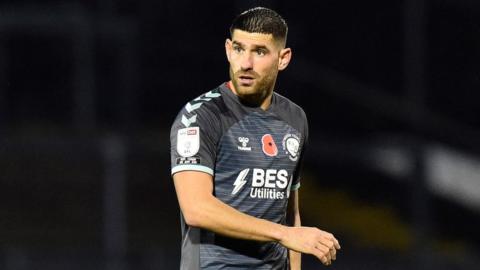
<point x="268" y="145"/>
<point x="188" y="141"/>
<point x="291" y="146"/>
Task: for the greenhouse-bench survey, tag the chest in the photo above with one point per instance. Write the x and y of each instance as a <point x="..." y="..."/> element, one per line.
<point x="261" y="141"/>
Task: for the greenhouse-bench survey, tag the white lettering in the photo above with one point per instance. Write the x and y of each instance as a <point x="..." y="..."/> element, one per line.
<point x="258" y="177"/>
<point x="282" y="177"/>
<point x="270" y="178"/>
<point x="266" y="193"/>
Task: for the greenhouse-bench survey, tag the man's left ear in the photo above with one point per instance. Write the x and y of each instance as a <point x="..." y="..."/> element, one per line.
<point x="284" y="59"/>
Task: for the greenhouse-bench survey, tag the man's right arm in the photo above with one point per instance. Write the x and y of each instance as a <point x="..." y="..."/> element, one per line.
<point x="201" y="209"/>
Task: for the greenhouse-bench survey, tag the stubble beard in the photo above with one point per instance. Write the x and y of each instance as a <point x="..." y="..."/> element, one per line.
<point x="256" y="94"/>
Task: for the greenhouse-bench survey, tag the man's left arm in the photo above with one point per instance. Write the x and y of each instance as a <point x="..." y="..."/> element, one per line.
<point x="293" y="219"/>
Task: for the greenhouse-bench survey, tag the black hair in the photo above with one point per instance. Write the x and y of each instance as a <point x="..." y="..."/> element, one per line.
<point x="261" y="20"/>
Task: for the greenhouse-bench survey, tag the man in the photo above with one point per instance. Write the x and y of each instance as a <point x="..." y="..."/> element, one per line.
<point x="236" y="154"/>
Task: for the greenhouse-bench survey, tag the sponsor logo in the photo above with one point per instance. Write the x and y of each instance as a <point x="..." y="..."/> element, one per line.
<point x="269" y="184"/>
<point x="240" y="181"/>
<point x="291" y="146"/>
<point x="188" y="141"/>
<point x="244" y="141"/>
<point x="268" y="145"/>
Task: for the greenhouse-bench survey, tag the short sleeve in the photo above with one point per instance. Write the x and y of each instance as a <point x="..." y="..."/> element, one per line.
<point x="193" y="139"/>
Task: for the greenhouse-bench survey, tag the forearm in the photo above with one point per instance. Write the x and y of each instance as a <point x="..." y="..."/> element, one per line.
<point x="201" y="209"/>
<point x="214" y="215"/>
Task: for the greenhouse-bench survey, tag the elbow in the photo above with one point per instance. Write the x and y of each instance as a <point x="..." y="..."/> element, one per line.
<point x="193" y="216"/>
<point x="191" y="219"/>
<point x="199" y="211"/>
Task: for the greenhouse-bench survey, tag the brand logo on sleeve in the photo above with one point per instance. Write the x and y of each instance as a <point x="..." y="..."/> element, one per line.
<point x="188" y="141"/>
<point x="291" y="146"/>
<point x="268" y="145"/>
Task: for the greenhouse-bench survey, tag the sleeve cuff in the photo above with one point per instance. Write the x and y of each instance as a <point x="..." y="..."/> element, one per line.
<point x="189" y="167"/>
<point x="295" y="187"/>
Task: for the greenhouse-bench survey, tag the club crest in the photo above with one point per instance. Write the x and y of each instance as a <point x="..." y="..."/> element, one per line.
<point x="291" y="146"/>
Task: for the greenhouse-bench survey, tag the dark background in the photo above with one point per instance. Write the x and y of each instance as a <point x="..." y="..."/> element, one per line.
<point x="89" y="89"/>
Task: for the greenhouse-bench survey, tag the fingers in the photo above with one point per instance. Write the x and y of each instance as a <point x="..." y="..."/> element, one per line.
<point x="328" y="246"/>
<point x="333" y="249"/>
<point x="323" y="254"/>
<point x="333" y="253"/>
<point x="336" y="243"/>
<point x="321" y="244"/>
<point x="336" y="246"/>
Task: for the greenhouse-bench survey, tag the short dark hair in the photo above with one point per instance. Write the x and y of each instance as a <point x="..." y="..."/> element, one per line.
<point x="261" y="20"/>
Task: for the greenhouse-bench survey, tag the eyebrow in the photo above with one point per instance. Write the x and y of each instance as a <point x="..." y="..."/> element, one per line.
<point x="255" y="46"/>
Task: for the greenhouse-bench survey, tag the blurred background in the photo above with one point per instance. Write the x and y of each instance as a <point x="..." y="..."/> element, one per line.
<point x="89" y="89"/>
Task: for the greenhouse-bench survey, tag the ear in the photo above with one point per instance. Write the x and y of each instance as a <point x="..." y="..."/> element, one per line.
<point x="228" y="48"/>
<point x="284" y="59"/>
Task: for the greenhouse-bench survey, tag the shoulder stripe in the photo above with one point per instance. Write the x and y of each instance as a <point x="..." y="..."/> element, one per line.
<point x="196" y="104"/>
<point x="192" y="107"/>
<point x="188" y="121"/>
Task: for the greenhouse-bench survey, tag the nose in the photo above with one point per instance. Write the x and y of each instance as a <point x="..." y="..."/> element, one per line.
<point x="246" y="62"/>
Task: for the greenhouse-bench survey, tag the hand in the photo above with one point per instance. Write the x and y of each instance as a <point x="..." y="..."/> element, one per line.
<point x="321" y="244"/>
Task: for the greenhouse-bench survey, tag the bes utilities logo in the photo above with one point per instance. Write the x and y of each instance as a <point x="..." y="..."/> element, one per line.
<point x="265" y="184"/>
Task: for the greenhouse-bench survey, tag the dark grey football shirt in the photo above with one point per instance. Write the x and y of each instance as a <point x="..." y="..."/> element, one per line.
<point x="254" y="157"/>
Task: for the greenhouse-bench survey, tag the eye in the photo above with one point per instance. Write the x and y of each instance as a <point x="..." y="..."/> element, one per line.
<point x="237" y="49"/>
<point x="261" y="52"/>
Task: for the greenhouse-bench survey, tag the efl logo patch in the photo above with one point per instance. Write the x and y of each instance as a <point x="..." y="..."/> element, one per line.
<point x="268" y="145"/>
<point x="188" y="141"/>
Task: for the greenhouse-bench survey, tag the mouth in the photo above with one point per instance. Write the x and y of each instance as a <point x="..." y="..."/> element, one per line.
<point x="246" y="80"/>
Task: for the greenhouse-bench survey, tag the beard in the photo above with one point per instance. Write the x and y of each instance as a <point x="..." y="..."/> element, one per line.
<point x="254" y="94"/>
